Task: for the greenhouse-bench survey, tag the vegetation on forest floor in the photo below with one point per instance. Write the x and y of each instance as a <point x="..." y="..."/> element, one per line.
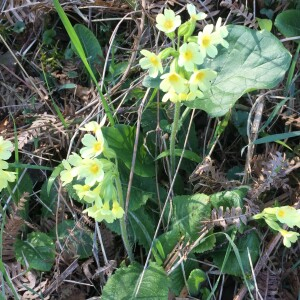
<point x="149" y="149"/>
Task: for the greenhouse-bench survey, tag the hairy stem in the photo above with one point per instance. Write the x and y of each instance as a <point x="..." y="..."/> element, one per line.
<point x="173" y="136"/>
<point x="124" y="232"/>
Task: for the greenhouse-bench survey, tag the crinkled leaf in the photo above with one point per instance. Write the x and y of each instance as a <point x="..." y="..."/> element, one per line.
<point x="90" y="44"/>
<point x="121" y="138"/>
<point x="229" y="199"/>
<point x="150" y="82"/>
<point x="122" y="284"/>
<point x="141" y="227"/>
<point x="177" y="278"/>
<point x="196" y="277"/>
<point x="254" y="60"/>
<point x="77" y="240"/>
<point x="207" y="243"/>
<point x="48" y="200"/>
<point x="252" y="242"/>
<point x="288" y="23"/>
<point x="189" y="211"/>
<point x="38" y="251"/>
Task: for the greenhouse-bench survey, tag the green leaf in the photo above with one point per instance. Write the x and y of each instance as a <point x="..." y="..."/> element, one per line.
<point x="240" y="119"/>
<point x="189" y="211"/>
<point x="53" y="176"/>
<point x="141" y="227"/>
<point x="150" y="82"/>
<point x="288" y="23"/>
<point x="77" y="240"/>
<point x="122" y="285"/>
<point x="48" y="36"/>
<point x="38" y="251"/>
<point x="264" y="24"/>
<point x="121" y="138"/>
<point x="206" y="244"/>
<point x="229" y="199"/>
<point x="48" y="200"/>
<point x="90" y="44"/>
<point x="177" y="278"/>
<point x="19" y="27"/>
<point x="178" y="152"/>
<point x="252" y="242"/>
<point x="138" y="197"/>
<point x="254" y="60"/>
<point x="196" y="277"/>
<point x="277" y="137"/>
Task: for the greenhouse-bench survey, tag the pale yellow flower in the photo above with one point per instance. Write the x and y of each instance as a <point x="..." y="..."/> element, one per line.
<point x="173" y="81"/>
<point x="91" y="170"/>
<point x="6" y="147"/>
<point x="81" y="190"/>
<point x="5" y="178"/>
<point x="94" y="146"/>
<point x="93" y="196"/>
<point x="289" y="237"/>
<point x="168" y="22"/>
<point x="152" y="62"/>
<point x="221" y="32"/>
<point x="202" y="79"/>
<point x="207" y="41"/>
<point x="100" y="213"/>
<point x="68" y="173"/>
<point x="288" y="215"/>
<point x="194" y="15"/>
<point x="185" y="96"/>
<point x="189" y="56"/>
<point x="93" y="126"/>
<point x="117" y="210"/>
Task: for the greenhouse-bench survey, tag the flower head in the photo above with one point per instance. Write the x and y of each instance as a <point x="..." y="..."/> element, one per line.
<point x="189" y="56"/>
<point x="100" y="213"/>
<point x="221" y="32"/>
<point x="91" y="170"/>
<point x="94" y="146"/>
<point x="289" y="237"/>
<point x="173" y="81"/>
<point x="168" y="22"/>
<point x="194" y="15"/>
<point x="6" y="148"/>
<point x="5" y="177"/>
<point x="207" y="41"/>
<point x="81" y="190"/>
<point x="68" y="173"/>
<point x="185" y="96"/>
<point x="288" y="215"/>
<point x="117" y="210"/>
<point x="152" y="62"/>
<point x="202" y="79"/>
<point x="93" y="126"/>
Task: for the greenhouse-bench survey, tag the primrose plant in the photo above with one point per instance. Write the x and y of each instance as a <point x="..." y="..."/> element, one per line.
<point x="6" y="148"/>
<point x="276" y="217"/>
<point x="94" y="176"/>
<point x="183" y="78"/>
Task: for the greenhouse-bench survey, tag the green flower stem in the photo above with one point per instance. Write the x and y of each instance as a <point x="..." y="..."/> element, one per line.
<point x="173" y="136"/>
<point x="124" y="232"/>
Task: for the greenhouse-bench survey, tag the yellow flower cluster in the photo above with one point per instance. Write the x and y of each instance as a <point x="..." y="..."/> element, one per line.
<point x="6" y="148"/>
<point x="93" y="175"/>
<point x="285" y="215"/>
<point x="186" y="80"/>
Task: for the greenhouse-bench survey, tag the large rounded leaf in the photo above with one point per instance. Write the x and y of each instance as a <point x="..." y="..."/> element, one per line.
<point x="121" y="286"/>
<point x="121" y="139"/>
<point x="254" y="60"/>
<point x="38" y="251"/>
<point x="288" y="23"/>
